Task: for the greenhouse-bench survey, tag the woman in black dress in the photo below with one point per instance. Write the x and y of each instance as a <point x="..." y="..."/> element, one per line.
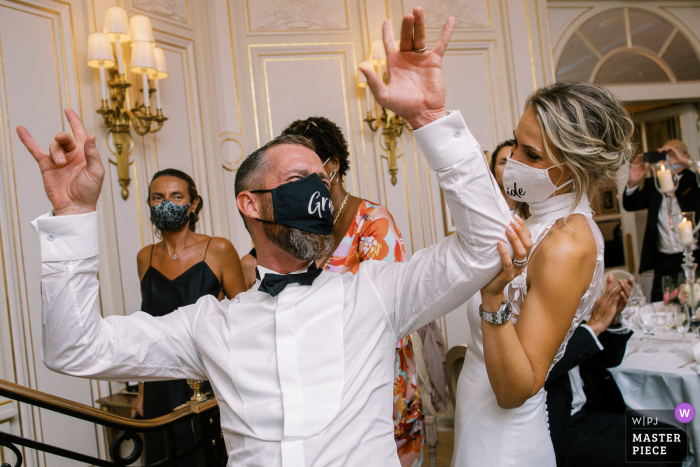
<point x="176" y="272"/>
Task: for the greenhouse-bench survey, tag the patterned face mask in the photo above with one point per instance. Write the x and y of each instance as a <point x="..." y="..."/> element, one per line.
<point x="169" y="216"/>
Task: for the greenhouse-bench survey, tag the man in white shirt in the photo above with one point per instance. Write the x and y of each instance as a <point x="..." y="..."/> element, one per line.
<point x="302" y="373"/>
<point x="661" y="248"/>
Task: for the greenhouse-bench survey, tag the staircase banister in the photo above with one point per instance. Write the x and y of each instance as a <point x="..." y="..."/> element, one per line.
<point x="91" y="414"/>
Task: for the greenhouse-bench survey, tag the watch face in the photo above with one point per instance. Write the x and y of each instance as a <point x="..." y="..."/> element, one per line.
<point x="506" y="312"/>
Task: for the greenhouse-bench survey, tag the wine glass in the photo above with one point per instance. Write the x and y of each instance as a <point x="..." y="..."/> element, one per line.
<point x="646" y="316"/>
<point x="636" y="300"/>
<point x="695" y="325"/>
<point x="671" y="319"/>
<point x="683" y="322"/>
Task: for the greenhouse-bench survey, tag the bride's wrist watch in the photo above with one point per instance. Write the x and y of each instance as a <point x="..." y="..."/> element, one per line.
<point x="501" y="316"/>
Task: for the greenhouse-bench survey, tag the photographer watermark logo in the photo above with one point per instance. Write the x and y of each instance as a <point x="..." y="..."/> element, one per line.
<point x="684" y="413"/>
<point x="657" y="436"/>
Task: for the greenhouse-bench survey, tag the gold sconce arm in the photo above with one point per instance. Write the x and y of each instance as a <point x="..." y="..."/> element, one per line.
<point x="392" y="127"/>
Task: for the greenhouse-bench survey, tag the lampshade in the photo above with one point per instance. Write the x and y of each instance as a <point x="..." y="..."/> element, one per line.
<point x="141" y="29"/>
<point x="361" y="80"/>
<point x="99" y="51"/>
<point x="377" y="54"/>
<point x="117" y="24"/>
<point x="161" y="67"/>
<point x="143" y="58"/>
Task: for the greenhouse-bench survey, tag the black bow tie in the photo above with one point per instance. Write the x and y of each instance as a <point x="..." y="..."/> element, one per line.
<point x="275" y="283"/>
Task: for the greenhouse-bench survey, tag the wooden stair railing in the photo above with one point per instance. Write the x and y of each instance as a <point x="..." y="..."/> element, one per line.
<point x="201" y="410"/>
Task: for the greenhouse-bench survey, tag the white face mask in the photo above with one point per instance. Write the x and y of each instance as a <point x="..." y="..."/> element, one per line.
<point x="528" y="184"/>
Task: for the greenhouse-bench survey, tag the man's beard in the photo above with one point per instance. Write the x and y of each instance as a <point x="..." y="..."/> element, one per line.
<point x="304" y="246"/>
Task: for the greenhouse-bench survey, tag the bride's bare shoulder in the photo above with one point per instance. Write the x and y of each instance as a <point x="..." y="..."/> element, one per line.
<point x="569" y="248"/>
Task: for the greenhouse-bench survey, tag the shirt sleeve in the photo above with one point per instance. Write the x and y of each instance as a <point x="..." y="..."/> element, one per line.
<point x="624" y="329"/>
<point x="440" y="278"/>
<point x="380" y="238"/>
<point x="77" y="341"/>
<point x="595" y="338"/>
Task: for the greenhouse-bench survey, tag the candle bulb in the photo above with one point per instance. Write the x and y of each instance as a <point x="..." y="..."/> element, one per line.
<point x="155" y="80"/>
<point x="146" y="99"/>
<point x="665" y="180"/>
<point x="103" y="82"/>
<point x="685" y="232"/>
<point x="120" y="62"/>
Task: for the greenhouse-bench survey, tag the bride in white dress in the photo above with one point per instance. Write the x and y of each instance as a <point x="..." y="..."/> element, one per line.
<point x="570" y="138"/>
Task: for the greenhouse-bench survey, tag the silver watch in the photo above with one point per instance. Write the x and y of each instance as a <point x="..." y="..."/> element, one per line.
<point x="502" y="316"/>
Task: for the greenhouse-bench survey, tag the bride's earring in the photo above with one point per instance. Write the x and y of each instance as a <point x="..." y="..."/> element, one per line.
<point x="332" y="177"/>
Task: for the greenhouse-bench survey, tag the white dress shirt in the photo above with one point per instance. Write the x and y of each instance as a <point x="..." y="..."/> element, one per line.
<point x="304" y="378"/>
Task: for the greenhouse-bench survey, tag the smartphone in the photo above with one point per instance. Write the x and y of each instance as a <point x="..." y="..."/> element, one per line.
<point x="653" y="157"/>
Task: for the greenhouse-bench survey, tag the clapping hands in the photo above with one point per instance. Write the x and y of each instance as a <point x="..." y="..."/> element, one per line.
<point x="607" y="308"/>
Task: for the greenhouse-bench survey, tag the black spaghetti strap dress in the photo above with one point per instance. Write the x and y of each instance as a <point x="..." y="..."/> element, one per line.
<point x="160" y="297"/>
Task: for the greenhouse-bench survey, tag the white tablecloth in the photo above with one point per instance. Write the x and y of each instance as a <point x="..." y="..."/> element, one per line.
<point x="655" y="380"/>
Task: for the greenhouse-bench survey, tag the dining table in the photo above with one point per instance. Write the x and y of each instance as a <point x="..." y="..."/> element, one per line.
<point x="659" y="372"/>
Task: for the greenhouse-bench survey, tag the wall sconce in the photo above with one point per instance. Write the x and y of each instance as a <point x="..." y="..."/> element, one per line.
<point x="148" y="61"/>
<point x="391" y="124"/>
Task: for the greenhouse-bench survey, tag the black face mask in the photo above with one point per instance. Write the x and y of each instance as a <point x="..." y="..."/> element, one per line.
<point x="304" y="204"/>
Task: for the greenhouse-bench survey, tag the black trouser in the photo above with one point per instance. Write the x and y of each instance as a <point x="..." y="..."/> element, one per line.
<point x="596" y="439"/>
<point x="667" y="265"/>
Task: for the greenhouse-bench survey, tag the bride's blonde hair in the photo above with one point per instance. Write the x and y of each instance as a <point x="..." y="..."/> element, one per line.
<point x="590" y="129"/>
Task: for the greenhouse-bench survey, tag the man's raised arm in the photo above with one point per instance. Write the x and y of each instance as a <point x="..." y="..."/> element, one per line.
<point x="76" y="340"/>
<point x="440" y="278"/>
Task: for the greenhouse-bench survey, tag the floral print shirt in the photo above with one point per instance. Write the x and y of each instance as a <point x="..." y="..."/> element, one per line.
<point x="374" y="235"/>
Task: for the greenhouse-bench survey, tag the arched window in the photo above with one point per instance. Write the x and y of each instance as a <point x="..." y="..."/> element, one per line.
<point x="626" y="45"/>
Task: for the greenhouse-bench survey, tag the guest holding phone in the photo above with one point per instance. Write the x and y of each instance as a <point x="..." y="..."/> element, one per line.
<point x="661" y="248"/>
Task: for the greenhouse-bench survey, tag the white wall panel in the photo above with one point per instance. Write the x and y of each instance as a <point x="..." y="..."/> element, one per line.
<point x="296" y="81"/>
<point x="475" y="91"/>
<point x="38" y="81"/>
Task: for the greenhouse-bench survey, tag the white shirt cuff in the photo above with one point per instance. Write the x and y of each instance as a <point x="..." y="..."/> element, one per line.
<point x="595" y="338"/>
<point x="67" y="238"/>
<point x="621" y="330"/>
<point x="443" y="141"/>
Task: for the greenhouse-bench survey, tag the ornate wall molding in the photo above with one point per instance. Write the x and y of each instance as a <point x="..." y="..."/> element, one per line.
<point x="468" y="14"/>
<point x="297" y="16"/>
<point x="177" y="11"/>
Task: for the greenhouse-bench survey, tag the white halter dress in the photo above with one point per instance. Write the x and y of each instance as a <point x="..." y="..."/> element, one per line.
<point x="485" y="434"/>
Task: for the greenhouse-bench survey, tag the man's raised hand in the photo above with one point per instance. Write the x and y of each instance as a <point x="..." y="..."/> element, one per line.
<point x="72" y="171"/>
<point x="416" y="89"/>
